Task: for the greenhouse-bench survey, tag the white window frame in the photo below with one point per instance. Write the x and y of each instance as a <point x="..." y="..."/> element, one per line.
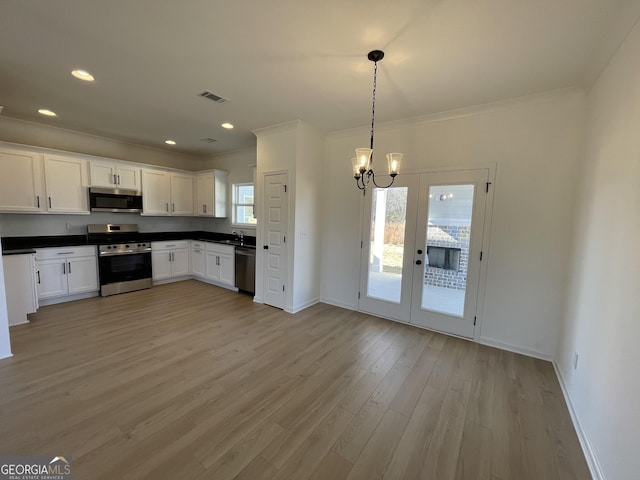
<point x="235" y="204"/>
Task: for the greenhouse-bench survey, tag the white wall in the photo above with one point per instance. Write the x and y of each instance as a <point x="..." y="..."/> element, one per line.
<point x="603" y="311"/>
<point x="276" y="151"/>
<point x="535" y="144"/>
<point x="5" y="344"/>
<point x="306" y="275"/>
<point x="27" y="133"/>
<point x="241" y="166"/>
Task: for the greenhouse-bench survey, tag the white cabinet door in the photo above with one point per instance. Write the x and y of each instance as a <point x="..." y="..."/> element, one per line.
<point x="128" y="176"/>
<point x="103" y="174"/>
<point x="211" y="194"/>
<point x="161" y="265"/>
<point x="198" y="266"/>
<point x="181" y="194"/>
<point x="205" y="205"/>
<point x="66" y="184"/>
<point x="114" y="175"/>
<point x="180" y="263"/>
<point x="156" y="185"/>
<point x="213" y="266"/>
<point x="82" y="275"/>
<point x="221" y="181"/>
<point x="51" y="277"/>
<point x="21" y="182"/>
<point x="227" y="269"/>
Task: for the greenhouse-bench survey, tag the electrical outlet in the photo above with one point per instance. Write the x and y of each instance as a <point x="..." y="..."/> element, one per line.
<point x="575" y="360"/>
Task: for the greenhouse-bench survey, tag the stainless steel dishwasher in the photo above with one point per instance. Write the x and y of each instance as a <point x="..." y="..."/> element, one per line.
<point x="246" y="269"/>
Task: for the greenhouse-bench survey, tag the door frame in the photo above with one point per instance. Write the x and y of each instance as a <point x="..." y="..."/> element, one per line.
<point x="485" y="242"/>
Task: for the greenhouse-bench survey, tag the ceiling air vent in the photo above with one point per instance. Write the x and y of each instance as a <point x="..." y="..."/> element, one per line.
<point x="208" y="140"/>
<point x="212" y="96"/>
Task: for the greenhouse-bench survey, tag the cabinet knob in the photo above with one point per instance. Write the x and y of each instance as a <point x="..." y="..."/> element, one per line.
<point x="418" y="262"/>
<point x="266" y="247"/>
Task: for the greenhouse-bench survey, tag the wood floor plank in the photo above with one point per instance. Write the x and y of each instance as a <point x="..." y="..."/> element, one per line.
<point x="187" y="380"/>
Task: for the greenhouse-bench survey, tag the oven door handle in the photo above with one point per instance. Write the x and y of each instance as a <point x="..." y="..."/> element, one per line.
<point x="109" y="254"/>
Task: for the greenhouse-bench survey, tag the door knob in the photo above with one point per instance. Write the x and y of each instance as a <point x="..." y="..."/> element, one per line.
<point x="418" y="262"/>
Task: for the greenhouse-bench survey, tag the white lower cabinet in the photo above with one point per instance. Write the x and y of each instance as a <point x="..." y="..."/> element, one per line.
<point x="66" y="272"/>
<point x="170" y="260"/>
<point x="22" y="298"/>
<point x="198" y="259"/>
<point x="220" y="264"/>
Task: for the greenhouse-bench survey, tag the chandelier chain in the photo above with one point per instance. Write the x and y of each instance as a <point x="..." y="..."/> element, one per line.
<point x="373" y="104"/>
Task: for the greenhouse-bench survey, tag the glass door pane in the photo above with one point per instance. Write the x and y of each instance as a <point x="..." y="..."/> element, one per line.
<point x="386" y="250"/>
<point x="446" y="258"/>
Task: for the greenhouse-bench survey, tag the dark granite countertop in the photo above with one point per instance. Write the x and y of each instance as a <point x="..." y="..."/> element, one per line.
<point x="19" y="251"/>
<point x="10" y="244"/>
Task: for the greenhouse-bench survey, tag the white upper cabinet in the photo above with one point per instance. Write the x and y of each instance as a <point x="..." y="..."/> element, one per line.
<point x="182" y="194"/>
<point x="157" y="192"/>
<point x="167" y="193"/>
<point x="66" y="184"/>
<point x="211" y="194"/>
<point x="109" y="174"/>
<point x="21" y="182"/>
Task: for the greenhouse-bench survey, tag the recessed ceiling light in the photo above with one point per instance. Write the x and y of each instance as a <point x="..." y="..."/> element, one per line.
<point x="170" y="142"/>
<point x="227" y="125"/>
<point x="48" y="113"/>
<point x="83" y="75"/>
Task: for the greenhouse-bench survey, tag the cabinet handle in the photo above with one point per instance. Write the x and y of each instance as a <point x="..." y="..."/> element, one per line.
<point x="38" y="273"/>
<point x="66" y="253"/>
<point x="166" y="206"/>
<point x="64" y="268"/>
<point x="204" y="208"/>
<point x="49" y="202"/>
<point x="38" y="201"/>
<point x="217" y="260"/>
<point x="173" y="207"/>
<point x="172" y="245"/>
<point x="118" y="179"/>
<point x="115" y="180"/>
<point x="69" y="267"/>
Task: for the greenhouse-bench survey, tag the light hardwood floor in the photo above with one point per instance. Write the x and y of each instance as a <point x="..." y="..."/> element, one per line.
<point x="189" y="381"/>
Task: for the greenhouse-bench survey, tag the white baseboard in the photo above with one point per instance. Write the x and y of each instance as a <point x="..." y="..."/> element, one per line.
<point x="301" y="306"/>
<point x="257" y="299"/>
<point x="515" y="349"/>
<point x="67" y="298"/>
<point x="5" y="355"/>
<point x="348" y="306"/>
<point x="587" y="449"/>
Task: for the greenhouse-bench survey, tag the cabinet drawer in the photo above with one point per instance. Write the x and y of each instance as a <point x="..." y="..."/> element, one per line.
<point x="198" y="244"/>
<point x="218" y="248"/>
<point x="172" y="245"/>
<point x="65" y="252"/>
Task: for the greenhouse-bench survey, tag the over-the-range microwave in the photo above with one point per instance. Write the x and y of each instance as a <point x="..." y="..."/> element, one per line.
<point x="115" y="200"/>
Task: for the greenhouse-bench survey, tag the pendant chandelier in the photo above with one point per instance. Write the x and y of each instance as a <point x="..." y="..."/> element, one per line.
<point x="363" y="161"/>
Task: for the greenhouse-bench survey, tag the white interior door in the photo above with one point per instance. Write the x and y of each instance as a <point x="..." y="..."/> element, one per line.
<point x="421" y="250"/>
<point x="275" y="213"/>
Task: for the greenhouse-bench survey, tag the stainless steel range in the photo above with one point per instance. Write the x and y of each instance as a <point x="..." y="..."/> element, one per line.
<point x="124" y="261"/>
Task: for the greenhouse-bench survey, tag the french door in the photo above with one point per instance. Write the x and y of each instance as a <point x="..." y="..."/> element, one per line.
<point x="421" y="252"/>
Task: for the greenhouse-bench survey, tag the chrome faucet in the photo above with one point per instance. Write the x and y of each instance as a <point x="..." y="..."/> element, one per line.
<point x="242" y="237"/>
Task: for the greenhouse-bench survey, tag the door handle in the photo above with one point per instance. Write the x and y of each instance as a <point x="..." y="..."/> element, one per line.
<point x="418" y="262"/>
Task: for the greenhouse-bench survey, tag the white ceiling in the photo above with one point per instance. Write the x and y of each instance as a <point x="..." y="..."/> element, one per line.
<point x="280" y="60"/>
